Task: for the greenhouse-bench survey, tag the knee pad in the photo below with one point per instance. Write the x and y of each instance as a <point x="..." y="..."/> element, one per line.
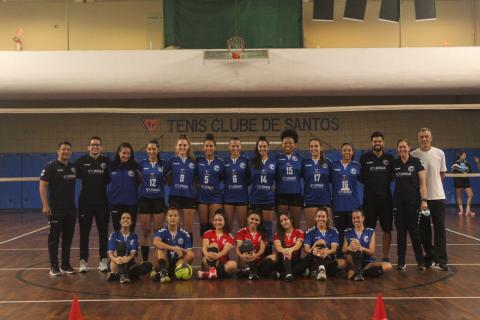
<point x="121" y="249"/>
<point x="246" y="246"/>
<point x="374" y="271"/>
<point x="212" y="249"/>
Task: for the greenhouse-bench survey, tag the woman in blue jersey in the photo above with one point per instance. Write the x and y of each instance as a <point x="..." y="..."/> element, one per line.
<point x="180" y="172"/>
<point x="359" y="248"/>
<point x="122" y="189"/>
<point x="262" y="180"/>
<point x="235" y="195"/>
<point x="321" y="245"/>
<point x="122" y="249"/>
<point x="316" y="178"/>
<point x="288" y="193"/>
<point x="344" y="176"/>
<point x="210" y="175"/>
<point x="151" y="204"/>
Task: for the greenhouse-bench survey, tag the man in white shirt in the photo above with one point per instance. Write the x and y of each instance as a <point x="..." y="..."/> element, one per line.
<point x="435" y="168"/>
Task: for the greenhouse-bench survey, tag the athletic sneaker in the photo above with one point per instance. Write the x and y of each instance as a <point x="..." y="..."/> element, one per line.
<point x="124" y="279"/>
<point x="55" y="272"/>
<point x="359" y="277"/>
<point x="154" y="275"/>
<point x="243" y="273"/>
<point x="253" y="276"/>
<point x="203" y="274"/>
<point x="313" y="274"/>
<point x="470" y="213"/>
<point x="322" y="273"/>
<point x="460" y="212"/>
<point x="421" y="267"/>
<point x="442" y="266"/>
<point x="113" y="276"/>
<point x="103" y="265"/>
<point x="306" y="273"/>
<point x="83" y="266"/>
<point x="401" y="267"/>
<point x="212" y="273"/>
<point x="164" y="278"/>
<point x="276" y="275"/>
<point x="289" y="277"/>
<point x="67" y="269"/>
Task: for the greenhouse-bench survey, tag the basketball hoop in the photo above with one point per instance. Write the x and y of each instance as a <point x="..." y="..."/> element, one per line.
<point x="235" y="47"/>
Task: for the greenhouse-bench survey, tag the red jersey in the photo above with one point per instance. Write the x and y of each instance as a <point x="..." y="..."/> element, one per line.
<point x="244" y="234"/>
<point x="291" y="240"/>
<point x="225" y="238"/>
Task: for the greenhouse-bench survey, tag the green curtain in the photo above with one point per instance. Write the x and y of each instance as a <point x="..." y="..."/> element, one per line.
<point x="207" y="24"/>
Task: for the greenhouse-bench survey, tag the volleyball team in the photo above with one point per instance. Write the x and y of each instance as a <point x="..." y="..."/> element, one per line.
<point x="339" y="238"/>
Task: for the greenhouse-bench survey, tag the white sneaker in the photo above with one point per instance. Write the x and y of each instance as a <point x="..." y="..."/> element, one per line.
<point x="322" y="273"/>
<point x="83" y="266"/>
<point x="103" y="265"/>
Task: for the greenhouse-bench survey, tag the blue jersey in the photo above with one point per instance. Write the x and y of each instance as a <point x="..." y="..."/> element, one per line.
<point x="130" y="241"/>
<point x="152" y="179"/>
<point x="123" y="187"/>
<point x="210" y="176"/>
<point x="289" y="170"/>
<point x="316" y="177"/>
<point x="364" y="238"/>
<point x="236" y="180"/>
<point x="313" y="235"/>
<point x="344" y="186"/>
<point x="181" y="239"/>
<point x="261" y="181"/>
<point x="183" y="177"/>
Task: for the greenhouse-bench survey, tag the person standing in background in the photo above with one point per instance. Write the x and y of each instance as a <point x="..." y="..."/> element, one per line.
<point x="433" y="159"/>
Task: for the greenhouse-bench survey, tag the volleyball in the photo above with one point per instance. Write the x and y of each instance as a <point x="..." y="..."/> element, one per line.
<point x="183" y="271"/>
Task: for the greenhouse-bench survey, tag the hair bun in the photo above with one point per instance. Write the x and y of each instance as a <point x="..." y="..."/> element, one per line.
<point x="209" y="136"/>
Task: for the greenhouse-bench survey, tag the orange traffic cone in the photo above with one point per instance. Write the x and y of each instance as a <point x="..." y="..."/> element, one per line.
<point x="75" y="313"/>
<point x="380" y="313"/>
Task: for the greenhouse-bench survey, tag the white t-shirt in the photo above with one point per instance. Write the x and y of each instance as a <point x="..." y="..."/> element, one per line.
<point x="434" y="163"/>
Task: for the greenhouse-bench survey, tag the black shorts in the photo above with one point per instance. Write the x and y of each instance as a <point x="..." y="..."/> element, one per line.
<point x="378" y="209"/>
<point x="236" y="204"/>
<point x="151" y="205"/>
<point x="462" y="183"/>
<point x="182" y="202"/>
<point x="261" y="207"/>
<point x="310" y="205"/>
<point x="289" y="199"/>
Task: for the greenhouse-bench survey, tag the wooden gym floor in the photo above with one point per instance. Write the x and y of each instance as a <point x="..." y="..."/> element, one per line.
<point x="28" y="292"/>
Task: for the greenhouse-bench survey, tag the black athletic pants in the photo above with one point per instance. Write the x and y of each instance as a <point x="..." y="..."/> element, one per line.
<point x="438" y="251"/>
<point x="62" y="223"/>
<point x="406" y="219"/>
<point x="86" y="213"/>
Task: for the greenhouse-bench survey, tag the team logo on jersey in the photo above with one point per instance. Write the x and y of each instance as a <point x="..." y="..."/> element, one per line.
<point x="191" y="165"/>
<point x="216" y="167"/>
<point x="103" y="165"/>
<point x="365" y="238"/>
<point x="353" y="171"/>
<point x="160" y="169"/>
<point x="271" y="166"/>
<point x="294" y="158"/>
<point x="132" y="242"/>
<point x="325" y="166"/>
<point x="224" y="241"/>
<point x="180" y="241"/>
<point x="42" y="173"/>
<point x="385" y="162"/>
<point x="242" y="165"/>
<point x="131" y="173"/>
<point x="411" y="168"/>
